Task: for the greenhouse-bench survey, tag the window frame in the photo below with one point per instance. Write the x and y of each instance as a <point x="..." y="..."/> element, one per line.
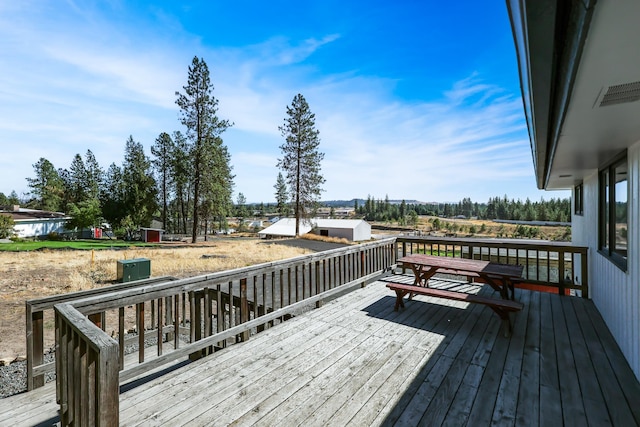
<point x="607" y="211"/>
<point x="578" y="200"/>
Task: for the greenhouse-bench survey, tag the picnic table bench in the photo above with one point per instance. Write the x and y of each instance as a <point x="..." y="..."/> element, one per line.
<point x="499" y="276"/>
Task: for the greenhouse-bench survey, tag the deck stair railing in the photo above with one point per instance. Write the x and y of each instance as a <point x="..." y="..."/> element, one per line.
<point x="561" y="267"/>
<point x="208" y="312"/>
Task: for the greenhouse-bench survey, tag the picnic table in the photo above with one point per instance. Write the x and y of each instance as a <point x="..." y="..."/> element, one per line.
<point x="499" y="276"/>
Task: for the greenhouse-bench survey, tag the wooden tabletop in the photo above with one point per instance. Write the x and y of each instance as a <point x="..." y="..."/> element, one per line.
<point x="464" y="265"/>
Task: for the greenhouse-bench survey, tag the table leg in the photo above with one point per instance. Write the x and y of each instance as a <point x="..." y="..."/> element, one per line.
<point x="399" y="303"/>
<point x="498" y="285"/>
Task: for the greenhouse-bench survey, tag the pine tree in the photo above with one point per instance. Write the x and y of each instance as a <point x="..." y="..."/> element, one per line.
<point x="13" y="198"/>
<point x="139" y="185"/>
<point x="282" y="196"/>
<point x="198" y="109"/>
<point x="75" y="179"/>
<point x="301" y="159"/>
<point x="216" y="182"/>
<point x="162" y="162"/>
<point x="47" y="187"/>
<point x="112" y="196"/>
<point x="94" y="175"/>
<point x="182" y="172"/>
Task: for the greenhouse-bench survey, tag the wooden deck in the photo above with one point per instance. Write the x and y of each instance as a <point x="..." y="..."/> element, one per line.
<point x="357" y="362"/>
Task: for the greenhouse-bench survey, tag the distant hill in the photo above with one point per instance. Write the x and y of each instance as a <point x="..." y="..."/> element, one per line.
<point x="361" y="202"/>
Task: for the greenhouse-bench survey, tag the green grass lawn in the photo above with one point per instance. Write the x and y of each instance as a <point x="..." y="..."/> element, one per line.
<point x="71" y="244"/>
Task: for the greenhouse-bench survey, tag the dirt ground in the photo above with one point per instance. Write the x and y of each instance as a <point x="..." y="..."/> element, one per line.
<point x="36" y="274"/>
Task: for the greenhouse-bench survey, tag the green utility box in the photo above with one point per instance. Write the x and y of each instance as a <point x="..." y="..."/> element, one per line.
<point x="133" y="269"/>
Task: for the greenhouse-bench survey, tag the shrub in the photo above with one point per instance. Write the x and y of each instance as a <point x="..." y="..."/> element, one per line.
<point x="53" y="236"/>
<point x="6" y="226"/>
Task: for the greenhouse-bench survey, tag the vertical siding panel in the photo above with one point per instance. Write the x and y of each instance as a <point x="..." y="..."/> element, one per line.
<point x="614" y="292"/>
<point x="634" y="254"/>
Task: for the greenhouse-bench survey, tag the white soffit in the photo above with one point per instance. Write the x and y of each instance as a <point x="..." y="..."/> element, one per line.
<point x="603" y="116"/>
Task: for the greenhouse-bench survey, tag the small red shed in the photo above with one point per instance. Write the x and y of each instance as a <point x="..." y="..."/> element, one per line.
<point x="151" y="235"/>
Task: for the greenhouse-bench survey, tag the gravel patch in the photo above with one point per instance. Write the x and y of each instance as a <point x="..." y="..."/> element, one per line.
<point x="13" y="377"/>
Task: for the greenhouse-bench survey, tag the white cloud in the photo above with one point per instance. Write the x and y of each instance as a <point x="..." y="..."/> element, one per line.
<point x="65" y="89"/>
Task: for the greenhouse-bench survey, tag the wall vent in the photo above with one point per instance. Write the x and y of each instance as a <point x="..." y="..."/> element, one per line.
<point x="619" y="94"/>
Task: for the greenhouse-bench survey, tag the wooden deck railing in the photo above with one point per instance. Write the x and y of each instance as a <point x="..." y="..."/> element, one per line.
<point x="214" y="309"/>
<point x="559" y="266"/>
<point x="35" y="310"/>
<point x="87" y="371"/>
<point x="193" y="317"/>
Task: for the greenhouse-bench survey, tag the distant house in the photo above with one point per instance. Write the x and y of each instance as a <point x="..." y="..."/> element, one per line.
<point x="351" y="229"/>
<point x="337" y="212"/>
<point x="35" y="223"/>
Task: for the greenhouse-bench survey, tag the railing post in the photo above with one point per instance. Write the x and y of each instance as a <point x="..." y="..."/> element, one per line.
<point x="561" y="289"/>
<point x="169" y="316"/>
<point x="362" y="266"/>
<point x="160" y="332"/>
<point x="121" y="336"/>
<point x="35" y="346"/>
<point x="208" y="327"/>
<point x="87" y="366"/>
<point x="585" y="273"/>
<point x="176" y="320"/>
<point x="317" y="281"/>
<point x="404" y="253"/>
<point x="140" y="330"/>
<point x="244" y="308"/>
<point x="196" y="322"/>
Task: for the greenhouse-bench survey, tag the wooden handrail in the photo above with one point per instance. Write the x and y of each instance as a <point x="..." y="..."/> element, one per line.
<point x="556" y="265"/>
<point x="34" y="314"/>
<point x="246" y="300"/>
<point x="215" y="308"/>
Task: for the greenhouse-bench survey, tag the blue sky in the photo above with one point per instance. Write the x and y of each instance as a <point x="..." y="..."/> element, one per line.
<point x="413" y="99"/>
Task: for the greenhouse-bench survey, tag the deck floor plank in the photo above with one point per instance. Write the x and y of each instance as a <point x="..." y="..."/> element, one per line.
<point x="590" y="389"/>
<point x="225" y="377"/>
<point x="140" y="397"/>
<point x="572" y="407"/>
<point x="436" y="370"/>
<point x="609" y="369"/>
<point x="236" y="405"/>
<point x="507" y="399"/>
<point x="305" y="401"/>
<point x="550" y="403"/>
<point x="448" y="403"/>
<point x="302" y="374"/>
<point x="357" y="362"/>
<point x="528" y="410"/>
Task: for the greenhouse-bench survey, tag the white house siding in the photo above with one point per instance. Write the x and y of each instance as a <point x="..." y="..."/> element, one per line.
<point x="39" y="227"/>
<point x="615" y="293"/>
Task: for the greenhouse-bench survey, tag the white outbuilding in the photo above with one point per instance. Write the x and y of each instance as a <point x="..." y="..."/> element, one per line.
<point x="351" y="229"/>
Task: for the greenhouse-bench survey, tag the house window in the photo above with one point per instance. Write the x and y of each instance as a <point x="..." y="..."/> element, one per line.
<point x="613" y="212"/>
<point x="578" y="200"/>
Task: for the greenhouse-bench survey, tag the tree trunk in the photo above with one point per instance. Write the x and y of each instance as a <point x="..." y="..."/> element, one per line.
<point x="196" y="197"/>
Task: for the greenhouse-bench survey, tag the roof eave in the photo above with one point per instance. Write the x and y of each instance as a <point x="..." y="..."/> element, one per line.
<point x="549" y="37"/>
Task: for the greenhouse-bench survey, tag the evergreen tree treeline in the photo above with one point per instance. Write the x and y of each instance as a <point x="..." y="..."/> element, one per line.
<point x="187" y="182"/>
<point x="496" y="208"/>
